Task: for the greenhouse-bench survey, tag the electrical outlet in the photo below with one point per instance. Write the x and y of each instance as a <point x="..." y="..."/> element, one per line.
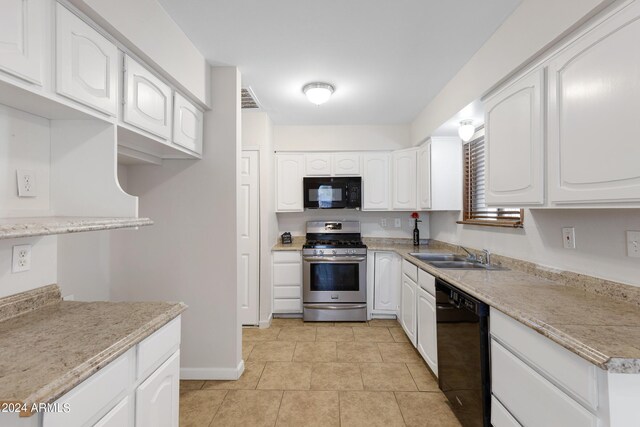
<point x="569" y="237"/>
<point x="633" y="244"/>
<point x="26" y="183"/>
<point x="384" y="223"/>
<point x="21" y="258"/>
<point x="398" y="223"/>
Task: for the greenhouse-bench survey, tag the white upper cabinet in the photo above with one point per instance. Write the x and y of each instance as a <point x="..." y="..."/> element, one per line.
<point x="446" y="173"/>
<point x="86" y="63"/>
<point x="188" y="121"/>
<point x="594" y="100"/>
<point x="376" y="182"/>
<point x="424" y="176"/>
<point x="147" y="100"/>
<point x="346" y="164"/>
<point x="289" y="173"/>
<point x="21" y="38"/>
<point x="404" y="179"/>
<point x="514" y="143"/>
<point x="318" y="164"/>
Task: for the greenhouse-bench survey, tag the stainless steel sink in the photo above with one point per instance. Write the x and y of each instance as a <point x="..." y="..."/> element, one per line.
<point x="427" y="257"/>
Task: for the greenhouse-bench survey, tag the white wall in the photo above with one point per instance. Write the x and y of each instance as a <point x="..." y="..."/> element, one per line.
<point x="295" y="222"/>
<point x="148" y="30"/>
<point x="600" y="240"/>
<point x="532" y="28"/>
<point x="340" y="138"/>
<point x="257" y="131"/>
<point x="43" y="271"/>
<point x="190" y="254"/>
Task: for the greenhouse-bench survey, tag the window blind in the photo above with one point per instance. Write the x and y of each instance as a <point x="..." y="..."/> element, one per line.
<point x="475" y="207"/>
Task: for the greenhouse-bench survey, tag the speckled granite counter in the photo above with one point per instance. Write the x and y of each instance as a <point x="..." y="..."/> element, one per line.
<point x="602" y="329"/>
<point x="13" y="228"/>
<point x="49" y="346"/>
<point x="296" y="245"/>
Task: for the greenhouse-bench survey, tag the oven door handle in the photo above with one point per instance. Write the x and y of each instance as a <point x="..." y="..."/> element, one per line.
<point x="334" y="307"/>
<point x="336" y="260"/>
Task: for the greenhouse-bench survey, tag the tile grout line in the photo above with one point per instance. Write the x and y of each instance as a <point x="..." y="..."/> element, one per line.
<point x="395" y="396"/>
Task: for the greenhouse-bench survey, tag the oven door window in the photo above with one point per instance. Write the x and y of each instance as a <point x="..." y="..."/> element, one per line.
<point x="330" y="277"/>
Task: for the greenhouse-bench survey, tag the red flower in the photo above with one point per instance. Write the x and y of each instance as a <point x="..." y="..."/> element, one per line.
<point x="415" y="215"/>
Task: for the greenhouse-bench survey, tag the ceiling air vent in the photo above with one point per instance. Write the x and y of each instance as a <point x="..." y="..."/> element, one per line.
<point x="249" y="99"/>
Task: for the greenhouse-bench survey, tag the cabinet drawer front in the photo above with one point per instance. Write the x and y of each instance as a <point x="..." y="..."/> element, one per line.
<point x="120" y="416"/>
<point x="532" y="399"/>
<point x="427" y="282"/>
<point x="156" y="348"/>
<point x="287" y="274"/>
<point x="410" y="270"/>
<point x="500" y="417"/>
<point x="286" y="257"/>
<point x="96" y="395"/>
<point x="287" y="305"/>
<point x="576" y="376"/>
<point x="287" y="292"/>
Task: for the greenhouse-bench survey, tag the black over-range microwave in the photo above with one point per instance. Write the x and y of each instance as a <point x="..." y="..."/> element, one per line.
<point x="332" y="193"/>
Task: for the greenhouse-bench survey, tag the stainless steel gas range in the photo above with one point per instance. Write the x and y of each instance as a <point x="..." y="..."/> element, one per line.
<point x="334" y="272"/>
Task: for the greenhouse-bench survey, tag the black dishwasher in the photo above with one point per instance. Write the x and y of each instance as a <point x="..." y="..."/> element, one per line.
<point x="463" y="354"/>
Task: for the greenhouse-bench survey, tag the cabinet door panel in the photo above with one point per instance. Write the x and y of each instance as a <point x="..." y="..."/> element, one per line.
<point x="404" y="180"/>
<point x="157" y="397"/>
<point x="120" y="416"/>
<point x="408" y="308"/>
<point x="385" y="282"/>
<point x="86" y="63"/>
<point x="424" y="177"/>
<point x="317" y="164"/>
<point x="594" y="97"/>
<point x="375" y="182"/>
<point x="346" y="164"/>
<point x="21" y="34"/>
<point x="289" y="174"/>
<point x="187" y="124"/>
<point x="148" y="100"/>
<point x="427" y="339"/>
<point x="514" y="144"/>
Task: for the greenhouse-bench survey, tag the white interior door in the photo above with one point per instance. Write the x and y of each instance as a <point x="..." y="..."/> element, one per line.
<point x="249" y="245"/>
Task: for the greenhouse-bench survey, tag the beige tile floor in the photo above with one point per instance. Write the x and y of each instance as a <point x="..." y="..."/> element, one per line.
<point x="310" y="374"/>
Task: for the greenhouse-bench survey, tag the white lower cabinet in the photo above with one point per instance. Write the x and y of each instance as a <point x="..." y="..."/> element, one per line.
<point x="427" y="340"/>
<point x="408" y="298"/>
<point x="157" y="397"/>
<point x="118" y="395"/>
<point x="287" y="282"/>
<point x="386" y="287"/>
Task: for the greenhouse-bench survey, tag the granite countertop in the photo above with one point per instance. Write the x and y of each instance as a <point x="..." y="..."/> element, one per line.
<point x="601" y="329"/>
<point x="13" y="228"/>
<point x="49" y="346"/>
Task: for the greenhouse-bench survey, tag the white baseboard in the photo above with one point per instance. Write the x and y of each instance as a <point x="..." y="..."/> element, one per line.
<point x="212" y="373"/>
<point x="265" y="323"/>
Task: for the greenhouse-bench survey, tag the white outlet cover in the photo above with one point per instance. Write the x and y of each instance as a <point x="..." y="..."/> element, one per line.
<point x="21" y="260"/>
<point x="26" y="183"/>
<point x="633" y="244"/>
<point x="398" y="223"/>
<point x="569" y="237"/>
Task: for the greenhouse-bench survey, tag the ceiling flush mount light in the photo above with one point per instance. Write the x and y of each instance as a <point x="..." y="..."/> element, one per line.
<point x="318" y="93"/>
<point x="466" y="130"/>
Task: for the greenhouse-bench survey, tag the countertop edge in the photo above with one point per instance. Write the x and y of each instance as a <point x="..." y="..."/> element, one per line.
<point x="78" y="374"/>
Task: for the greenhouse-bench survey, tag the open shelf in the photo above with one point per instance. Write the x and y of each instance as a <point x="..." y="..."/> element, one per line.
<point x="13" y="228"/>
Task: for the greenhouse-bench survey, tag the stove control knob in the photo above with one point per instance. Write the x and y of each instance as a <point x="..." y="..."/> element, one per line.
<point x="315" y="252"/>
<point x="334" y="252"/>
<point x="321" y="252"/>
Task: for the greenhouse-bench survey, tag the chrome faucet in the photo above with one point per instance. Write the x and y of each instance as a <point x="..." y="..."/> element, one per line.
<point x="471" y="256"/>
<point x="487" y="257"/>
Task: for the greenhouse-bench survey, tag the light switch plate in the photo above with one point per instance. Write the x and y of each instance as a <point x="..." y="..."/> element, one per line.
<point x="633" y="244"/>
<point x="26" y="183"/>
<point x="569" y="237"/>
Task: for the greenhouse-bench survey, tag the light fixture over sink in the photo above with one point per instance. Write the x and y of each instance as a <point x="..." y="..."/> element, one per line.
<point x="318" y="92"/>
<point x="466" y="130"/>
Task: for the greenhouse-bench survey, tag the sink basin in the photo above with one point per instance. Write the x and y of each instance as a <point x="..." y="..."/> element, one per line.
<point x="437" y="257"/>
<point x="464" y="265"/>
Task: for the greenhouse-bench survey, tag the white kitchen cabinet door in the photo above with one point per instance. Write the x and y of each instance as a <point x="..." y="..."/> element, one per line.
<point x="427" y="335"/>
<point x="386" y="282"/>
<point x="424" y="176"/>
<point x="147" y="100"/>
<point x="594" y="99"/>
<point x="157" y="397"/>
<point x="404" y="180"/>
<point x="188" y="122"/>
<point x="119" y="416"/>
<point x="376" y="182"/>
<point x="514" y="143"/>
<point x="317" y="164"/>
<point x="408" y="318"/>
<point x="289" y="174"/>
<point x="21" y="38"/>
<point x="287" y="282"/>
<point x="346" y="164"/>
<point x="86" y="64"/>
